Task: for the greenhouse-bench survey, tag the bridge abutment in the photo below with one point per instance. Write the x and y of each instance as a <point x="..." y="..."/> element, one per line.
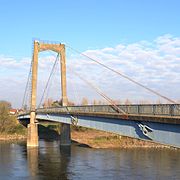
<point x="65" y="137"/>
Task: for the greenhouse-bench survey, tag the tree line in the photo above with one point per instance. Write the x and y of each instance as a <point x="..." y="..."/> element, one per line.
<point x="8" y="123"/>
<point x="50" y="103"/>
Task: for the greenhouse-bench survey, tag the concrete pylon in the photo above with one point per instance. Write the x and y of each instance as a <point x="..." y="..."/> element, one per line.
<point x="32" y="139"/>
<point x="63" y="76"/>
<point x="65" y="130"/>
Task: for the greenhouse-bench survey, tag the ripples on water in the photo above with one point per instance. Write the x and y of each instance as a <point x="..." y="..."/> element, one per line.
<point x="49" y="161"/>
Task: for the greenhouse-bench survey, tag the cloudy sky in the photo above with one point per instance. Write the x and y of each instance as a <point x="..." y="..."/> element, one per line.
<point x="140" y="40"/>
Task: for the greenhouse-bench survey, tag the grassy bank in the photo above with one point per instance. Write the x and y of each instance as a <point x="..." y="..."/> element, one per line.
<point x="100" y="139"/>
<point x="16" y="132"/>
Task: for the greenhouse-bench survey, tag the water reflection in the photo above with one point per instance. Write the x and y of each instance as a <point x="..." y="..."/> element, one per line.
<point x="50" y="161"/>
<point x="33" y="160"/>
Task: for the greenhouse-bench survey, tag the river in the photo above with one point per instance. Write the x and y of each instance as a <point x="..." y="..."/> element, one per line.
<point x="49" y="161"/>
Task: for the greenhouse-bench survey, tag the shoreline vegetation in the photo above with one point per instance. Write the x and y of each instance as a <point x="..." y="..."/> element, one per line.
<point x="10" y="137"/>
<point x="10" y="128"/>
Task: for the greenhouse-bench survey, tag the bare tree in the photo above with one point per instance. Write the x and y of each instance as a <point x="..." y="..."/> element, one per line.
<point x="48" y="103"/>
<point x="127" y="102"/>
<point x="84" y="101"/>
<point x="59" y="103"/>
<point x="95" y="102"/>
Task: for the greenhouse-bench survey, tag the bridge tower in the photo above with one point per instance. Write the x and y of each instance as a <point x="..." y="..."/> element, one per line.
<point x="32" y="139"/>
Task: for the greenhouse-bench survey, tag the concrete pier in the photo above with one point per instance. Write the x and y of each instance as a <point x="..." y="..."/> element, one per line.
<point x="32" y="137"/>
<point x="65" y="137"/>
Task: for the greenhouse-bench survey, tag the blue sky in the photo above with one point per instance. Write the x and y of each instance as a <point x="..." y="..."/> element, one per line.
<point x="138" y="37"/>
<point x="84" y="24"/>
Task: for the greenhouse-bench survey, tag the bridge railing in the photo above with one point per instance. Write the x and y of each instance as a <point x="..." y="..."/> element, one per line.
<point x="149" y="109"/>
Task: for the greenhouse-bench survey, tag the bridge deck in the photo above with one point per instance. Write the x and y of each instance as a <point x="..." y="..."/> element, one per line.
<point x="159" y="123"/>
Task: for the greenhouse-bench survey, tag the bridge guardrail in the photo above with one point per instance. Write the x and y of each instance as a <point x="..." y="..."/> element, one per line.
<point x="149" y="109"/>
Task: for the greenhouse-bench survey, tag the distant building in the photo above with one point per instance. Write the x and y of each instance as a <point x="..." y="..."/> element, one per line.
<point x="13" y="111"/>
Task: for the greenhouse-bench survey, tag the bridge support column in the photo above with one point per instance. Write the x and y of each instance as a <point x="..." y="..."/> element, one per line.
<point x="32" y="136"/>
<point x="65" y="137"/>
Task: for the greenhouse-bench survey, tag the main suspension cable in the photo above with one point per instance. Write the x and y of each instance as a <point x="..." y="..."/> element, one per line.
<point x="115" y="107"/>
<point x="50" y="83"/>
<point x="27" y="85"/>
<point x="124" y="76"/>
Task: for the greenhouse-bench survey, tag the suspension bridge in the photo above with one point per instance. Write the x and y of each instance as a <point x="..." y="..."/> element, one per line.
<point x="152" y="122"/>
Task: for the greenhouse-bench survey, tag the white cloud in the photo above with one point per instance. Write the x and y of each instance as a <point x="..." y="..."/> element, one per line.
<point x="155" y="64"/>
<point x="147" y="62"/>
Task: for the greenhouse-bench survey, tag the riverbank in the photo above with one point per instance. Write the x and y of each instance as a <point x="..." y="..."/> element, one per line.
<point x="87" y="137"/>
<point x="10" y="137"/>
<point x="16" y="132"/>
<point x="100" y="139"/>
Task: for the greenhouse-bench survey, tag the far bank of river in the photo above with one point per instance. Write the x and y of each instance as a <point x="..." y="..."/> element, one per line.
<point x="100" y="139"/>
<point x="94" y="139"/>
<point x="11" y="137"/>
